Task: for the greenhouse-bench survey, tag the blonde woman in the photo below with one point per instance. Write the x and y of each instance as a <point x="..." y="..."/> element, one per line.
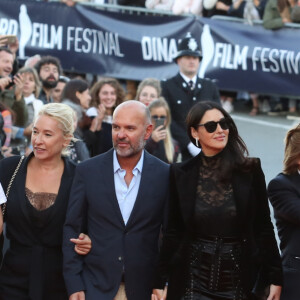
<point x="36" y="209"/>
<point x="161" y="144"/>
<point x="148" y="90"/>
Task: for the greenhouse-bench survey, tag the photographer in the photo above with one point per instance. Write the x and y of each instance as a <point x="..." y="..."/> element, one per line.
<point x="11" y="88"/>
<point x="161" y="144"/>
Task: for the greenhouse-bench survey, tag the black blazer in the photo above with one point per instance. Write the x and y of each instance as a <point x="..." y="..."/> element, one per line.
<point x="260" y="258"/>
<point x="34" y="251"/>
<point x="116" y="247"/>
<point x="180" y="99"/>
<point x="284" y="194"/>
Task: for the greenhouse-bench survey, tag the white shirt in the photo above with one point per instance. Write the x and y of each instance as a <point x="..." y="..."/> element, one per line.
<point x="126" y="195"/>
<point x="2" y="195"/>
<point x="187" y="79"/>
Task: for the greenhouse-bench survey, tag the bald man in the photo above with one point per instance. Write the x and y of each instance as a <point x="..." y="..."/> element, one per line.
<point x="119" y="199"/>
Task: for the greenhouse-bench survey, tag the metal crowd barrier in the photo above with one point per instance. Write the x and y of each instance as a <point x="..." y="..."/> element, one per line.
<point x="155" y="12"/>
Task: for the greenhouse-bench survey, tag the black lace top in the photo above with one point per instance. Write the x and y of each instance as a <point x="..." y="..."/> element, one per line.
<point x="215" y="210"/>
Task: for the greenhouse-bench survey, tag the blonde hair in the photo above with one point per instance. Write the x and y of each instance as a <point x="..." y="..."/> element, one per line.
<point x="168" y="141"/>
<point x="153" y="82"/>
<point x="37" y="81"/>
<point x="292" y="151"/>
<point x="64" y="115"/>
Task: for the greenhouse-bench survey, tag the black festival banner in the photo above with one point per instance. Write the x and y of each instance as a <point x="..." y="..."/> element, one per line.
<point x="130" y="46"/>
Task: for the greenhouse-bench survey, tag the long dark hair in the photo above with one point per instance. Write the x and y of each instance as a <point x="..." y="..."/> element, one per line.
<point x="235" y="154"/>
<point x="73" y="86"/>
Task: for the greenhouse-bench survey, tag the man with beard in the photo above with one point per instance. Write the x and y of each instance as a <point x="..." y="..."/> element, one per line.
<point x="49" y="70"/>
<point x="119" y="197"/>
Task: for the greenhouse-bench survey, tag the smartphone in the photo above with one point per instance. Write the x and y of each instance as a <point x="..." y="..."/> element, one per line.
<point x="159" y="122"/>
<point x="9" y="39"/>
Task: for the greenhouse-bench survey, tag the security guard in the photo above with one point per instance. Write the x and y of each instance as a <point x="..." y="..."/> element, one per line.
<point x="185" y="89"/>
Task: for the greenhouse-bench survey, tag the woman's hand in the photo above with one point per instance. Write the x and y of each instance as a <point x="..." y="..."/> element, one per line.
<point x="159" y="134"/>
<point x="158" y="294"/>
<point x="77" y="296"/>
<point x="97" y="121"/>
<point x="101" y="112"/>
<point x="83" y="244"/>
<point x="275" y="291"/>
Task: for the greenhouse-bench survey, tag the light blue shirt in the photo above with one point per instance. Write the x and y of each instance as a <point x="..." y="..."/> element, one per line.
<point x="126" y="195"/>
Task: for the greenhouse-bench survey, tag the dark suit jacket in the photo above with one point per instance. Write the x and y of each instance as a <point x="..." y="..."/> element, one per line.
<point x="284" y="194"/>
<point x="260" y="256"/>
<point x="181" y="99"/>
<point x="115" y="247"/>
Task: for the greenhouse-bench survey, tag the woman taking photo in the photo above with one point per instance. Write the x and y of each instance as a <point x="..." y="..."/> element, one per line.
<point x="284" y="194"/>
<point x="219" y="242"/>
<point x="106" y="94"/>
<point x="39" y="187"/>
<point x="161" y="144"/>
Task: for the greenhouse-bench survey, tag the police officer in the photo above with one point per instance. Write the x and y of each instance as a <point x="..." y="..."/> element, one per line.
<point x="185" y="89"/>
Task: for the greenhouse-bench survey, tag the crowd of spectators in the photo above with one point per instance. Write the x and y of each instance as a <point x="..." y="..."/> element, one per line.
<point x="41" y="80"/>
<point x="273" y="15"/>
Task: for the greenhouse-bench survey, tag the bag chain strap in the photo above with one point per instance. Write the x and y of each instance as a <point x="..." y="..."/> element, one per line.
<point x="10" y="183"/>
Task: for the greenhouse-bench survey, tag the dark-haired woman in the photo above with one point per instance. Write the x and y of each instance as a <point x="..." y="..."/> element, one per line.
<point x="284" y="194"/>
<point x="76" y="95"/>
<point x="219" y="242"/>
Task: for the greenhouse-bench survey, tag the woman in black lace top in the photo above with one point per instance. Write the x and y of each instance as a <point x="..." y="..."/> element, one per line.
<point x="219" y="242"/>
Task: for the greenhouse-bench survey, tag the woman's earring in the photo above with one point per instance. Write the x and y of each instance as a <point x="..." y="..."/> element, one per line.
<point x="197" y="143"/>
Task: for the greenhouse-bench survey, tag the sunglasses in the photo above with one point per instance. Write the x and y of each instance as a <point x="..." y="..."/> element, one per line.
<point x="156" y="117"/>
<point x="211" y="126"/>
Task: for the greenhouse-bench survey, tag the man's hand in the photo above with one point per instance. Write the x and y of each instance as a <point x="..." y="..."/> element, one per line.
<point x="14" y="47"/>
<point x="83" y="244"/>
<point x="77" y="296"/>
<point x="275" y="291"/>
<point x="4" y="82"/>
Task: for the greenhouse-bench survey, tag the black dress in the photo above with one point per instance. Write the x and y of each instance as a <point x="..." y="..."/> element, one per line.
<point x="99" y="141"/>
<point x="32" y="265"/>
<point x="215" y="248"/>
<point x="157" y="149"/>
